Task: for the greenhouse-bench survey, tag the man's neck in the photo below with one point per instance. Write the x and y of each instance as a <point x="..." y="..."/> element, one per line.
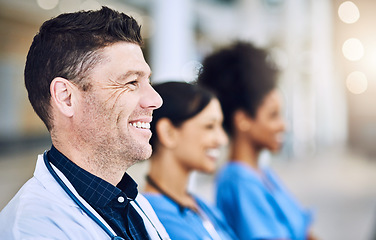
<point x="100" y="165"/>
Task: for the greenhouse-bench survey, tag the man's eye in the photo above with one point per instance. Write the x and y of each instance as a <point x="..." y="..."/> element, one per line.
<point x="133" y="83"/>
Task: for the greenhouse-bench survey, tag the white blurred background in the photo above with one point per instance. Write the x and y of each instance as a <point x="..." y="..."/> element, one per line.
<point x="326" y="50"/>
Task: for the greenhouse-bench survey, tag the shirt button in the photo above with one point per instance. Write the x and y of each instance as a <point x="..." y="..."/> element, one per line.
<point x="121" y="199"/>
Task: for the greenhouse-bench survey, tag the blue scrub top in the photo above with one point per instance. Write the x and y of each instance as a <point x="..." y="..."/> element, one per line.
<point x="184" y="223"/>
<point x="257" y="206"/>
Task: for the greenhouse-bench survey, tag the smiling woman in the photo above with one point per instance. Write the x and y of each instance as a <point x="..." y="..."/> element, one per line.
<point x="252" y="198"/>
<point x="187" y="134"/>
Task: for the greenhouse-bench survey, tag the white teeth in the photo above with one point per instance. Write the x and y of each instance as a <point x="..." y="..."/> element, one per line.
<point x="144" y="125"/>
<point x="215" y="153"/>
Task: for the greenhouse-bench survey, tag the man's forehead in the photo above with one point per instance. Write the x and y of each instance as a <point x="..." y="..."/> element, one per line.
<point x="126" y="58"/>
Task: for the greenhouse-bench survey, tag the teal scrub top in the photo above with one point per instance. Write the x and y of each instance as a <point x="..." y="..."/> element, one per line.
<point x="257" y="205"/>
<point x="184" y="223"/>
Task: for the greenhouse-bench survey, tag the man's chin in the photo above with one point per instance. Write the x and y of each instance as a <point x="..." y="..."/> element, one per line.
<point x="138" y="155"/>
<point x="145" y="154"/>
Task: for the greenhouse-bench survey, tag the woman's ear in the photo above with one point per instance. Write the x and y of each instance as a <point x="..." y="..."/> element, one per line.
<point x="242" y="121"/>
<point x="62" y="92"/>
<point x="167" y="133"/>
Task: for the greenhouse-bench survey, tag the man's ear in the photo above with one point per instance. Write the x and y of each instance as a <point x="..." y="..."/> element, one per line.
<point x="167" y="133"/>
<point x="61" y="95"/>
<point x="242" y="121"/>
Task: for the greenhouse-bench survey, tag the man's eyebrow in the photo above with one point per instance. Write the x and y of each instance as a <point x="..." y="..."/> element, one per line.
<point x="131" y="73"/>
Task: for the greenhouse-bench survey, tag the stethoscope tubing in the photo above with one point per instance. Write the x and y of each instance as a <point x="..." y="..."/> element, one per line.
<point x="77" y="201"/>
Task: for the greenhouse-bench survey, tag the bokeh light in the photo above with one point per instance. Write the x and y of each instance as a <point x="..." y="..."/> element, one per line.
<point x="47" y="4"/>
<point x="348" y="12"/>
<point x="357" y="82"/>
<point x="69" y="6"/>
<point x="190" y="71"/>
<point x="353" y="49"/>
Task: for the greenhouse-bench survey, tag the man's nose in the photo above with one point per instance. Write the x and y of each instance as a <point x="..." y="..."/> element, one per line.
<point x="151" y="99"/>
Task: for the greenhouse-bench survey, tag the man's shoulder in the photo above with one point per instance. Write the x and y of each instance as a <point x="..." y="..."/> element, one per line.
<point x="31" y="201"/>
<point x="36" y="211"/>
<point x="31" y="206"/>
<point x="35" y="192"/>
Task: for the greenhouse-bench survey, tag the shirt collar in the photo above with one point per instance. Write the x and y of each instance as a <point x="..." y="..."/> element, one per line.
<point x="94" y="190"/>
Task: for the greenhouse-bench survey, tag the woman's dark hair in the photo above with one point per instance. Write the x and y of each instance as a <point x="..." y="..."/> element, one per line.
<point x="241" y="76"/>
<point x="181" y="101"/>
<point x="69" y="46"/>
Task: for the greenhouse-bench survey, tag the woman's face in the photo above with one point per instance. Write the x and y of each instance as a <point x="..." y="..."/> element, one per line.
<point x="200" y="139"/>
<point x="268" y="125"/>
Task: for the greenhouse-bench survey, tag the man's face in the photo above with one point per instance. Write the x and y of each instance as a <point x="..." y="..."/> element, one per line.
<point x="114" y="115"/>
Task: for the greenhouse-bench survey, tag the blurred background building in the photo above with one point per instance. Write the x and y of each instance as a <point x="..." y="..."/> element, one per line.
<point x="326" y="50"/>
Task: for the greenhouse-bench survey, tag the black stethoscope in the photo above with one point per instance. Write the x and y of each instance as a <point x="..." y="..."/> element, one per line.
<point x="84" y="205"/>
